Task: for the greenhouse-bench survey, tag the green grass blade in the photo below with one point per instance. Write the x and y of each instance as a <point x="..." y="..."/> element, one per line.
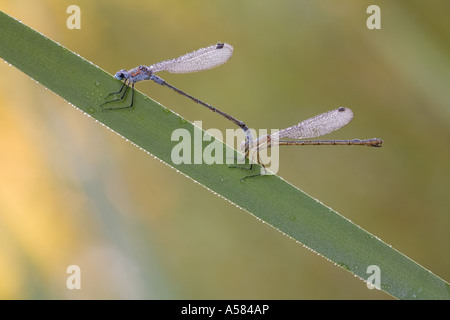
<point x="270" y="199"/>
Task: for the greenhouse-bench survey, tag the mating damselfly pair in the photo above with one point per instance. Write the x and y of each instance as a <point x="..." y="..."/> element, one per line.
<point x="218" y="54"/>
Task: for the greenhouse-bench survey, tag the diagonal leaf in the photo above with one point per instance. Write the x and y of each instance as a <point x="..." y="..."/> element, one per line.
<point x="271" y="199"/>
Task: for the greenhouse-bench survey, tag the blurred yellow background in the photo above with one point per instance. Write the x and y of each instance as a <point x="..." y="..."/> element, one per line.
<point x="72" y="192"/>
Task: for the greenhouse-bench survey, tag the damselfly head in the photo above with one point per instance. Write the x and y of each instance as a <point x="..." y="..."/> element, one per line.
<point x="122" y="74"/>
